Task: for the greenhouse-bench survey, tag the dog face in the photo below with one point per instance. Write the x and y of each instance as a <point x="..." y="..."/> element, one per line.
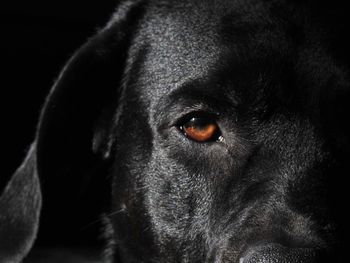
<point x="218" y="124"/>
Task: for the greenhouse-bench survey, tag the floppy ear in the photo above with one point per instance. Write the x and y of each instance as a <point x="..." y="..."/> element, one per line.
<point x="74" y="182"/>
<point x="88" y="84"/>
<point x="20" y="204"/>
<point x="84" y="96"/>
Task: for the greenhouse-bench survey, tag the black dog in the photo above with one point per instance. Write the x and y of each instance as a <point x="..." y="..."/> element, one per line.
<point x="221" y="124"/>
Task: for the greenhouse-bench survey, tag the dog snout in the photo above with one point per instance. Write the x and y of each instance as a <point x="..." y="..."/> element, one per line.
<point x="275" y="253"/>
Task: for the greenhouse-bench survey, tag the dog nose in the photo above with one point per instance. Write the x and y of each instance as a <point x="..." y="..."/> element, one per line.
<point x="275" y="253"/>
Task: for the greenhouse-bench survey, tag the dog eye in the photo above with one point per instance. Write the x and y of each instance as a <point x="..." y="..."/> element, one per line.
<point x="201" y="129"/>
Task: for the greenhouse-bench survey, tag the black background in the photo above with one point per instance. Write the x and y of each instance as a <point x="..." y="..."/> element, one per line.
<point x="36" y="40"/>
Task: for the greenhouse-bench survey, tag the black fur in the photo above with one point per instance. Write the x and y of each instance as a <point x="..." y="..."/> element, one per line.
<point x="272" y="191"/>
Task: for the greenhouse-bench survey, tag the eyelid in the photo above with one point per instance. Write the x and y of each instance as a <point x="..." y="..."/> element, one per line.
<point x="187" y="116"/>
<point x="173" y="116"/>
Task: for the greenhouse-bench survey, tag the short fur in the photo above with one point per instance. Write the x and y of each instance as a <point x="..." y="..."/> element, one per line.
<point x="272" y="191"/>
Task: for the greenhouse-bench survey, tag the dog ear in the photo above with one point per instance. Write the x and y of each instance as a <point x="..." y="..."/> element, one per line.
<point x="71" y="164"/>
<point x="87" y="85"/>
<point x="20" y="204"/>
<point x="62" y="155"/>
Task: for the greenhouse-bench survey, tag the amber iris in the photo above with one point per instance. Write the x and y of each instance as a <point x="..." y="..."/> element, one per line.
<point x="200" y="129"/>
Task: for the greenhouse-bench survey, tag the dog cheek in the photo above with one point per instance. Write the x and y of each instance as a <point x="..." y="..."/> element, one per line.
<point x="175" y="200"/>
<point x="133" y="152"/>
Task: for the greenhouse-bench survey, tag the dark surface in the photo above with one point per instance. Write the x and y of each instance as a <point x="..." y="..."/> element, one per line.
<point x="67" y="255"/>
<point x="36" y="40"/>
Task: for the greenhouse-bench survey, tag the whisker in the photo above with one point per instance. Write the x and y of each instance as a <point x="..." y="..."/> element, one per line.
<point x="116" y="212"/>
<point x="100" y="220"/>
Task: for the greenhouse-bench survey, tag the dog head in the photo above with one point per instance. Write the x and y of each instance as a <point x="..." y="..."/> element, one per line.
<point x="221" y="127"/>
